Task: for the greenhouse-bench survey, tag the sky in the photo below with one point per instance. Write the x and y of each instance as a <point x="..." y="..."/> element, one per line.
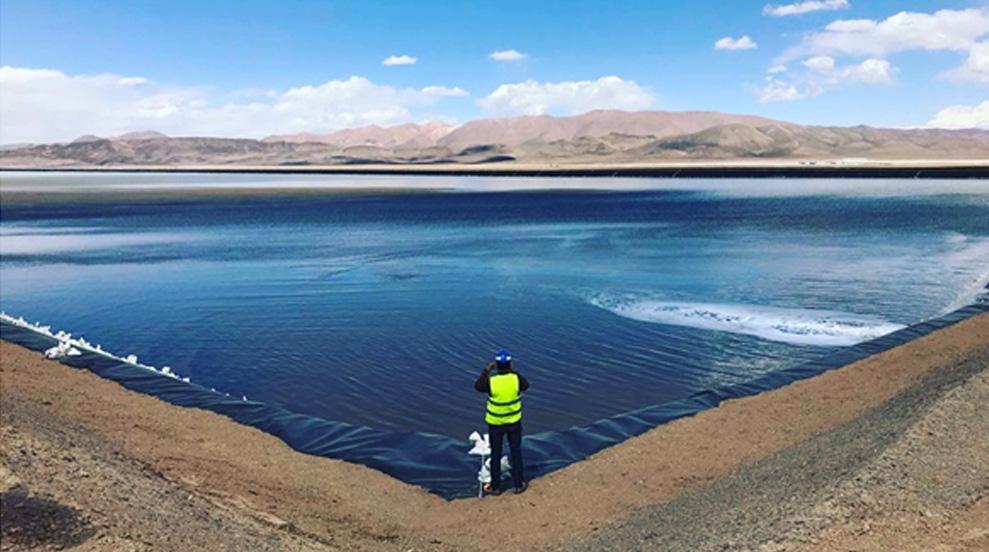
<point x="251" y="68"/>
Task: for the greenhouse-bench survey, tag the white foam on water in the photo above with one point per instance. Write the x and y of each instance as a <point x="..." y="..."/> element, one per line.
<point x="971" y="258"/>
<point x="23" y="243"/>
<point x="796" y="326"/>
<point x="62" y="350"/>
<point x="71" y="346"/>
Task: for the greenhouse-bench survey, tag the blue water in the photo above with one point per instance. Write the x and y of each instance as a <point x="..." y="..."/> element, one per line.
<point x="380" y="308"/>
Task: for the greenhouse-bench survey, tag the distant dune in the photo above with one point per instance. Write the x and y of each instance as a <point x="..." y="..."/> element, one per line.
<point x="598" y="137"/>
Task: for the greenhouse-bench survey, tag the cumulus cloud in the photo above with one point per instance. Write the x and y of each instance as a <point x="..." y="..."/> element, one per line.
<point x="776" y="90"/>
<point x="870" y="71"/>
<point x="444" y="91"/>
<point x="822" y="73"/>
<point x="253" y="92"/>
<point x="399" y="60"/>
<point x="132" y="81"/>
<point x="43" y="105"/>
<point x="962" y="116"/>
<point x="569" y="97"/>
<point x="941" y="30"/>
<point x="507" y="55"/>
<point x="741" y="43"/>
<point x="976" y="66"/>
<point x="798" y="8"/>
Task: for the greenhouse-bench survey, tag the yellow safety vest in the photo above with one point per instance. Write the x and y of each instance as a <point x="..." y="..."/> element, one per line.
<point x="504" y="401"/>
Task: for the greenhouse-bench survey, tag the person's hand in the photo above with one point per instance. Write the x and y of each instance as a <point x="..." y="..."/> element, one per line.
<point x="489" y="368"/>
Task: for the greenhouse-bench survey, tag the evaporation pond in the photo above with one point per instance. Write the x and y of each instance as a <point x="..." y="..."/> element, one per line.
<point x="380" y="306"/>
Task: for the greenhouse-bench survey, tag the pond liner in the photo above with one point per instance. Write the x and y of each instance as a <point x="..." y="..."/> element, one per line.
<point x="440" y="463"/>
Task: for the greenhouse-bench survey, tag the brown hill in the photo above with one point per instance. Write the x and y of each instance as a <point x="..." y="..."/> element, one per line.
<point x="230" y="151"/>
<point x="597" y="137"/>
<point x="141" y="135"/>
<point x="86" y="138"/>
<point x="792" y="141"/>
<point x="513" y="131"/>
<point x="407" y="135"/>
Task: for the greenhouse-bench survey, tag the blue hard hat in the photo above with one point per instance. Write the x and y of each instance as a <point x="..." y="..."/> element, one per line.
<point x="503" y="357"/>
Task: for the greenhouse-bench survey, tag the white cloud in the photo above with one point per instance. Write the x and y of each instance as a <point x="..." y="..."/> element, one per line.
<point x="507" y="55"/>
<point x="941" y="30"/>
<point x="399" y="60"/>
<point x="253" y="92"/>
<point x="944" y="30"/>
<point x="778" y="68"/>
<point x="444" y="91"/>
<point x="798" y="8"/>
<point x="821" y="74"/>
<point x="132" y="81"/>
<point x="741" y="43"/>
<point x="976" y="66"/>
<point x="536" y="98"/>
<point x="962" y="116"/>
<point x="776" y="90"/>
<point x="44" y="105"/>
<point x="870" y="71"/>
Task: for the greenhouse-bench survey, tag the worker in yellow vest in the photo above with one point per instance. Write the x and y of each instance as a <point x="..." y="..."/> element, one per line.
<point x="504" y="417"/>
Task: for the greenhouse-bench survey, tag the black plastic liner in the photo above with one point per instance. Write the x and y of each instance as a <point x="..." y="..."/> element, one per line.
<point x="695" y="171"/>
<point x="440" y="463"/>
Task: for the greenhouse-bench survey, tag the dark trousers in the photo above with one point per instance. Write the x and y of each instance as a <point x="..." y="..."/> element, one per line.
<point x="514" y="434"/>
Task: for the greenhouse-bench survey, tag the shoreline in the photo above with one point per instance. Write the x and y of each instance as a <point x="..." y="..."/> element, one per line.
<point x="329" y="501"/>
<point x="924" y="169"/>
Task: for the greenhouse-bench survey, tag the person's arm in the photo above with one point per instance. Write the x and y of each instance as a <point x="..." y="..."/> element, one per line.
<point x="483" y="384"/>
<point x="523" y="383"/>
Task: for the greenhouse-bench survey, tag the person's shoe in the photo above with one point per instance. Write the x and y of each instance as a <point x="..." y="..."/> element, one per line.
<point x="520" y="490"/>
<point x="490" y="491"/>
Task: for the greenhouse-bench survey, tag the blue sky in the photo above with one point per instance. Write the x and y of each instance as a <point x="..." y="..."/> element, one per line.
<point x="224" y="68"/>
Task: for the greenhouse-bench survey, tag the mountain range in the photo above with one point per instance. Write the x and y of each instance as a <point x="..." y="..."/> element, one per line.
<point x="598" y="137"/>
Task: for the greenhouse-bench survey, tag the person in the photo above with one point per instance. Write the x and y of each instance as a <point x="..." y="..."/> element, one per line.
<point x="504" y="418"/>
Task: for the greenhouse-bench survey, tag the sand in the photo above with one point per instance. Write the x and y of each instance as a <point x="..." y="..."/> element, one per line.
<point x="168" y="478"/>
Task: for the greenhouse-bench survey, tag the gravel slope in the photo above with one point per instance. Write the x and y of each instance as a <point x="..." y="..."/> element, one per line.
<point x="65" y="486"/>
<point x="888" y="480"/>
